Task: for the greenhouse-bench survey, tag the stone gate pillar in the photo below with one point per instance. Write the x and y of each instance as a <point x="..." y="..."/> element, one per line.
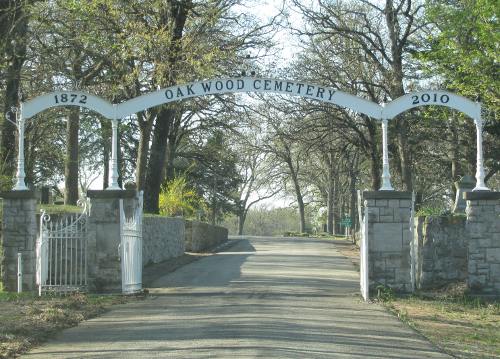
<point x="19" y="231"/>
<point x="389" y="239"/>
<point x="483" y="225"/>
<point x="103" y="235"/>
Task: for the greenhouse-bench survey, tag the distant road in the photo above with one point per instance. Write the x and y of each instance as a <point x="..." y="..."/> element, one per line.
<point x="262" y="298"/>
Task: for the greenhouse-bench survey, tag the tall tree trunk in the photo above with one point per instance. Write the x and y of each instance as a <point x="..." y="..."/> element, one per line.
<point x="15" y="54"/>
<point x="142" y="153"/>
<point x="71" y="162"/>
<point x="352" y="192"/>
<point x="397" y="90"/>
<point x="374" y="155"/>
<point x="404" y="153"/>
<point x="105" y="156"/>
<point x="298" y="195"/>
<point x="241" y="222"/>
<point x="156" y="163"/>
<point x="330" y="206"/>
<point x="453" y="153"/>
<point x="106" y="142"/>
<point x="173" y="16"/>
<point x="171" y="153"/>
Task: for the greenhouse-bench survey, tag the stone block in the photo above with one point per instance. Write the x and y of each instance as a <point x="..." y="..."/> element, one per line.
<point x="495" y="272"/>
<point x="402" y="215"/>
<point x="386" y="237"/>
<point x="405" y="203"/>
<point x="386" y="211"/>
<point x="381" y="203"/>
<point x="393" y="203"/>
<point x="370" y="203"/>
<point x="373" y="214"/>
<point x="493" y="255"/>
<point x="386" y="219"/>
<point x="476" y="281"/>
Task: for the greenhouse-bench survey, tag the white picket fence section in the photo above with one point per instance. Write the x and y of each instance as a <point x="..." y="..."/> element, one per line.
<point x="61" y="252"/>
<point x="364" y="280"/>
<point x="131" y="248"/>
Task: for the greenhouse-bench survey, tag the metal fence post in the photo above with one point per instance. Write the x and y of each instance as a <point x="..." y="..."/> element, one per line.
<point x="19" y="272"/>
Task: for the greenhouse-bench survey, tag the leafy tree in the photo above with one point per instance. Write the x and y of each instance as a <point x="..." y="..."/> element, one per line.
<point x="463" y="51"/>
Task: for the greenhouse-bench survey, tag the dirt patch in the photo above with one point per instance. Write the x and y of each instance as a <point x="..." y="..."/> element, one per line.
<point x="348" y="249"/>
<point x="27" y="320"/>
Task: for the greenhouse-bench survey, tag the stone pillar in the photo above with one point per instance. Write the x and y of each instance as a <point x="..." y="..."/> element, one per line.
<point x="483" y="225"/>
<point x="389" y="239"/>
<point x="103" y="234"/>
<point x="19" y="231"/>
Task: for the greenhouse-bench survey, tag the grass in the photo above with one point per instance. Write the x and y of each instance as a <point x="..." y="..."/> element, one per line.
<point x="27" y="320"/>
<point x="463" y="326"/>
<point x="59" y="208"/>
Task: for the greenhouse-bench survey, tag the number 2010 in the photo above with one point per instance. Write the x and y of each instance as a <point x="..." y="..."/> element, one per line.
<point x="70" y="98"/>
<point x="426" y="98"/>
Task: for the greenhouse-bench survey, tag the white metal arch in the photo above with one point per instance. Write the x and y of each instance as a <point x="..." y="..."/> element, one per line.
<point x="428" y="98"/>
<point x="67" y="98"/>
<point x="115" y="112"/>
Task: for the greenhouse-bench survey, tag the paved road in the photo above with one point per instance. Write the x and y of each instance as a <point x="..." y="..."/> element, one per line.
<point x="263" y="298"/>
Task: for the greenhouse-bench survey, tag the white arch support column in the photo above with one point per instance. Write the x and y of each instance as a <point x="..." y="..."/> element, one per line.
<point x="480" y="185"/>
<point x="20" y="174"/>
<point x="386" y="175"/>
<point x="113" y="173"/>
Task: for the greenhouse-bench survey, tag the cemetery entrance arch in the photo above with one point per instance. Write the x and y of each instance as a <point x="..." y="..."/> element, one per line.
<point x="383" y="113"/>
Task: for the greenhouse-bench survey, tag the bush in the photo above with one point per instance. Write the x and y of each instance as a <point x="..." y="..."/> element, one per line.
<point x="178" y="199"/>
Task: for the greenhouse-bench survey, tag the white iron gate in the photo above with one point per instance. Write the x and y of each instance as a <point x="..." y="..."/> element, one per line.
<point x="131" y="248"/>
<point x="364" y="280"/>
<point x="61" y="252"/>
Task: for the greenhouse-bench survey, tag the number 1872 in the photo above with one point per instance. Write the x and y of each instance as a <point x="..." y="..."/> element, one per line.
<point x="70" y="98"/>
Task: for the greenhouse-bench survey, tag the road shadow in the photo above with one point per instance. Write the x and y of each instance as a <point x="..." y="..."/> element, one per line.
<point x="217" y="269"/>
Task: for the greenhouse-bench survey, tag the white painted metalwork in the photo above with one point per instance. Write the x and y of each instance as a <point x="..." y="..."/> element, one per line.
<point x="62" y="253"/>
<point x="19" y="272"/>
<point x="428" y="98"/>
<point x="113" y="183"/>
<point x="131" y="248"/>
<point x="386" y="175"/>
<point x="253" y="84"/>
<point x="413" y="256"/>
<point x="19" y="122"/>
<point x="480" y="185"/>
<point x="68" y="98"/>
<point x="364" y="266"/>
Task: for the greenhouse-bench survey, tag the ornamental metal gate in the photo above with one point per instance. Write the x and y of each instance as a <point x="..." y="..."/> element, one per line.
<point x="131" y="248"/>
<point x="364" y="280"/>
<point x="61" y="251"/>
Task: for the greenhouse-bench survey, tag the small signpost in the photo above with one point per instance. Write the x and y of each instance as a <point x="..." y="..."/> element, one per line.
<point x="347" y="223"/>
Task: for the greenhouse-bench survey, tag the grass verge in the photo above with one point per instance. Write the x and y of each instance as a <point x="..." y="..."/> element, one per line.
<point x="461" y="325"/>
<point x="27" y="320"/>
